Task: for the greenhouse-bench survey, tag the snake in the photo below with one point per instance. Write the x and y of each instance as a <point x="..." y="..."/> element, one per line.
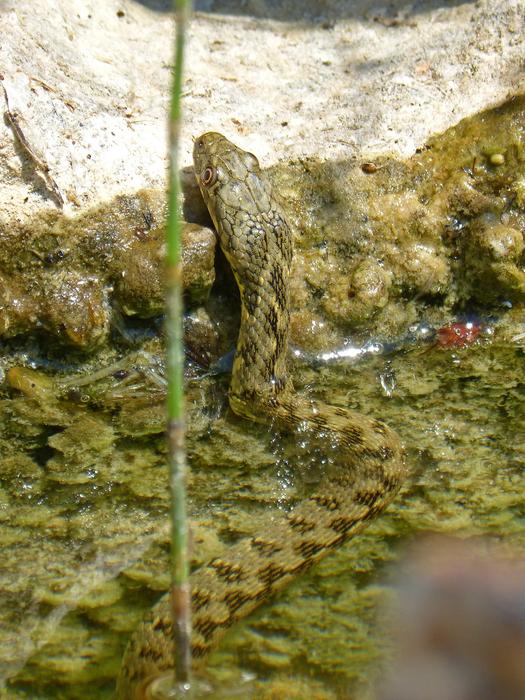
<point x="367" y="459"/>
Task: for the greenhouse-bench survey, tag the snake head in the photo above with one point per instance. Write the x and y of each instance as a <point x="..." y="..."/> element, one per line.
<point x="230" y="180"/>
<point x="251" y="229"/>
<point x="217" y="159"/>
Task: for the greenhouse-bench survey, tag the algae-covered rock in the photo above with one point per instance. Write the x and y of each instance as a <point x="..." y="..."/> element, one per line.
<point x="375" y="250"/>
<point x="101" y="595"/>
<point x="72" y="650"/>
<point x="459" y="412"/>
<point x="22" y="475"/>
<point x="441" y="232"/>
<point x="75" y="308"/>
<point x="87" y="439"/>
<point x="63" y="275"/>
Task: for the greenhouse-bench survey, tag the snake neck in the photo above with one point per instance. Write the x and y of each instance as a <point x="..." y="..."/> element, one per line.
<point x="259" y="374"/>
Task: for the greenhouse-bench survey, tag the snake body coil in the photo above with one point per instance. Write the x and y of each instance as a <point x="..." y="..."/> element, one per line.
<point x="257" y="242"/>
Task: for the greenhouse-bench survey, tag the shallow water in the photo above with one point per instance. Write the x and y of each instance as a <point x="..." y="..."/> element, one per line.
<point x="83" y="507"/>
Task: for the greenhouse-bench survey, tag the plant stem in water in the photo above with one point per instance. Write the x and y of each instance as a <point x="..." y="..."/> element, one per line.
<point x="180" y="589"/>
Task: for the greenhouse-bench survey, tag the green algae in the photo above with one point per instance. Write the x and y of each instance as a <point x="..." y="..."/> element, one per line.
<point x="70" y="277"/>
<point x="437" y="233"/>
<point x="83" y="489"/>
<point x="458" y="411"/>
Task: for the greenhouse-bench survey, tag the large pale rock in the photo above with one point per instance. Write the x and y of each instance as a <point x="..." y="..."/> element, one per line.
<point x="86" y="83"/>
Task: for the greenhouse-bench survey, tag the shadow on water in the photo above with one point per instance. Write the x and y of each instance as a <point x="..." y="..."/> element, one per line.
<point x="312" y="10"/>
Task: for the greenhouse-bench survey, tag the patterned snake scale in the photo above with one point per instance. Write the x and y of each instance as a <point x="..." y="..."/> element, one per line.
<point x="257" y="242"/>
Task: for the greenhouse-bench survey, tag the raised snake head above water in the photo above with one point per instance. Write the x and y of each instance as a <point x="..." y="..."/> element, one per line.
<point x="258" y="243"/>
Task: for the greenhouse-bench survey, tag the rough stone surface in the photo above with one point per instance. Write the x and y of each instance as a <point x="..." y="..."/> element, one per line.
<point x="87" y="84"/>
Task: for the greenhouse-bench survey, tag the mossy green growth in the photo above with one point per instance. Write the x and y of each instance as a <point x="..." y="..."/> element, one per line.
<point x="376" y="248"/>
<point x="440" y="232"/>
<point x="72" y="277"/>
<point x="459" y="412"/>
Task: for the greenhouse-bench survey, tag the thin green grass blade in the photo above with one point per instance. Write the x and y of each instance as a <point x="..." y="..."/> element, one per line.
<point x="175" y="371"/>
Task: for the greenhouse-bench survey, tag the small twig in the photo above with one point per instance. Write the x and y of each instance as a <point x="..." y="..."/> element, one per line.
<point x="15" y="118"/>
<point x="70" y="104"/>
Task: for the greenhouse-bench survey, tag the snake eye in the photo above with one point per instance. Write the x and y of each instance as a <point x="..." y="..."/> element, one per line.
<point x="209" y="176"/>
